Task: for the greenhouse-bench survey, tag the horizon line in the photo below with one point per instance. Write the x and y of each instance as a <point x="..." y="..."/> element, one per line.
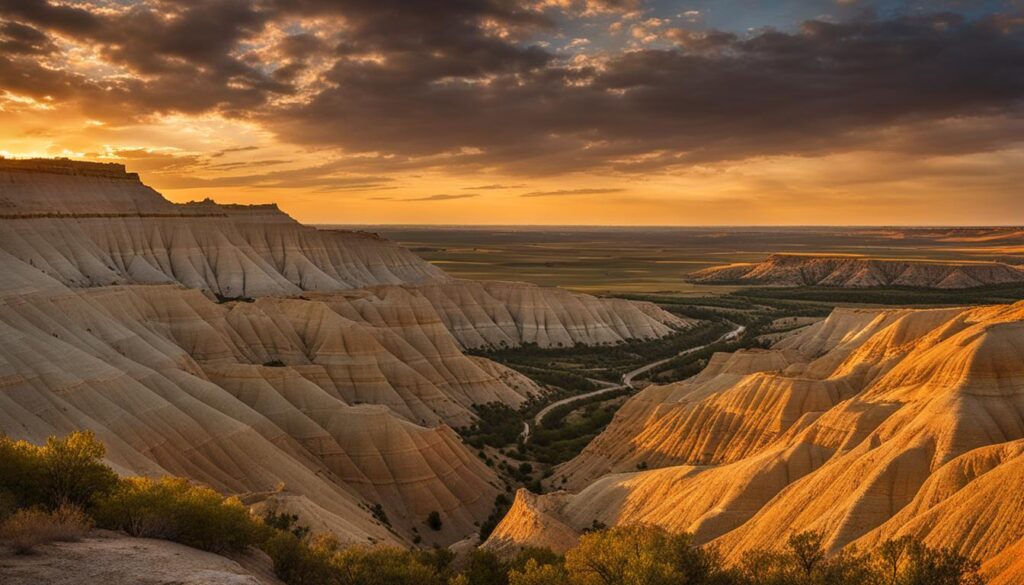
<point x="670" y="226"/>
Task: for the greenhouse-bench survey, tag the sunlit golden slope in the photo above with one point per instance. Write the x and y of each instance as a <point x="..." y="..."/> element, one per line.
<point x="867" y="425"/>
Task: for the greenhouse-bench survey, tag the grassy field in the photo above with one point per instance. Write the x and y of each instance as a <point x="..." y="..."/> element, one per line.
<point x="634" y="260"/>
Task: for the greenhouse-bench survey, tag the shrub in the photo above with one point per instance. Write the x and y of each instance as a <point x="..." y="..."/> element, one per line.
<point x="174" y="509"/>
<point x="483" y="567"/>
<point x="628" y="555"/>
<point x="8" y="505"/>
<point x="534" y="573"/>
<point x="73" y="470"/>
<point x="28" y="528"/>
<point x="382" y="566"/>
<point x="378" y="512"/>
<point x="434" y="520"/>
<point x="20" y="473"/>
<point x="285" y="521"/>
<point x="64" y="471"/>
<point x="295" y="562"/>
<point x="540" y="554"/>
<point x="922" y="565"/>
<point x="895" y="562"/>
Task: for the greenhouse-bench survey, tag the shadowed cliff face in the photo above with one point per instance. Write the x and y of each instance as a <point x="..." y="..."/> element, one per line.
<point x="235" y="347"/>
<point x="853" y="272"/>
<point x="868" y="425"/>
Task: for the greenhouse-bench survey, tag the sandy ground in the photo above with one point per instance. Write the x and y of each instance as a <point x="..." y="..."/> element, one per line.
<point x="110" y="559"/>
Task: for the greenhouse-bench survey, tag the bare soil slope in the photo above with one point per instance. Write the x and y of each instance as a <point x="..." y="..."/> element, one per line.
<point x="867" y="425"/>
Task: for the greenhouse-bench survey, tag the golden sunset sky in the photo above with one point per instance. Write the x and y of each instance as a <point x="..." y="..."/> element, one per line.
<point x="611" y="112"/>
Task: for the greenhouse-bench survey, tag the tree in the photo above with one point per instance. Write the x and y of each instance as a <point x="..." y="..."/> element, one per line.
<point x="65" y="471"/>
<point x="808" y="549"/>
<point x="483" y="567"/>
<point x="534" y="573"/>
<point x="381" y="566"/>
<point x="73" y="470"/>
<point x="20" y="474"/>
<point x="891" y="556"/>
<point x="931" y="566"/>
<point x="295" y="562"/>
<point x="639" y="555"/>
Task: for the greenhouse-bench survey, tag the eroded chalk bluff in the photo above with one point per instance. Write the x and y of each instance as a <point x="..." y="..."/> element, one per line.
<point x="231" y="345"/>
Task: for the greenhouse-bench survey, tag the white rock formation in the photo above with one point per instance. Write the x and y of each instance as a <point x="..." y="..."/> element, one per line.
<point x="337" y="371"/>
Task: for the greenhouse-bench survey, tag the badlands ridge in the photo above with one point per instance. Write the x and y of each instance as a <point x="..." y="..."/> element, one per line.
<point x="857" y="272"/>
<point x="868" y="425"/>
<point x="233" y="346"/>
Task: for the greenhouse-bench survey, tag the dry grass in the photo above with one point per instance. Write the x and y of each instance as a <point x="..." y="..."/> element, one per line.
<point x="25" y="530"/>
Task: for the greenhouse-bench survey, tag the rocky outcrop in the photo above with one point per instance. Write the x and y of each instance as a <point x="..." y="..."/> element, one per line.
<point x="867" y="425"/>
<point x="858" y="272"/>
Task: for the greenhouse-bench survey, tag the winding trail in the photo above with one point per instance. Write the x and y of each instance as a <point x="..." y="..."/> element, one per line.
<point x="627" y="380"/>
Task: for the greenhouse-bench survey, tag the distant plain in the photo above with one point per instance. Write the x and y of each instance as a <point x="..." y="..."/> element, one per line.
<point x="634" y="260"/>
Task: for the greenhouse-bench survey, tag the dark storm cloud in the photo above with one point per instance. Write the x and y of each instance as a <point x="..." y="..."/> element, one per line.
<point x="460" y="84"/>
<point x="58" y="17"/>
<point x="715" y="98"/>
<point x="186" y="55"/>
<point x="19" y="39"/>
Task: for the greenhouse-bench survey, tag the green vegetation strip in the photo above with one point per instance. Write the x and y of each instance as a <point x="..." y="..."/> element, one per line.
<point x="886" y="296"/>
<point x="58" y="491"/>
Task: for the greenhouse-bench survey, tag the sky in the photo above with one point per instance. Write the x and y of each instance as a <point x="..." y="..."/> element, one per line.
<point x="594" y="112"/>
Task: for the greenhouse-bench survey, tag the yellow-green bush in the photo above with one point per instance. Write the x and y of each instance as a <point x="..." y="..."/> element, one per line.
<point x="65" y="471"/>
<point x="534" y="573"/>
<point x="628" y="555"/>
<point x="28" y="528"/>
<point x="382" y="566"/>
<point x="174" y="509"/>
<point x="903" y="561"/>
<point x="297" y="563"/>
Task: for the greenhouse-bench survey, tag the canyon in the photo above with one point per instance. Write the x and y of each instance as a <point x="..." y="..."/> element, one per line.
<point x="868" y="425"/>
<point x="320" y="372"/>
<point x="324" y="372"/>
